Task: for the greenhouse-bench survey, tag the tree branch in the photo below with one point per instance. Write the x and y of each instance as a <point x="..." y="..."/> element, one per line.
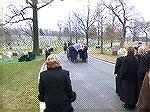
<point x="82" y="25"/>
<point x="11" y="22"/>
<point x="45" y="4"/>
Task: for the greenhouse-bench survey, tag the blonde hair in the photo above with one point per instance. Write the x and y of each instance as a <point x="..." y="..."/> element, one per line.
<point x="148" y="46"/>
<point x="130" y="50"/>
<point x="53" y="61"/>
<point x="141" y="50"/>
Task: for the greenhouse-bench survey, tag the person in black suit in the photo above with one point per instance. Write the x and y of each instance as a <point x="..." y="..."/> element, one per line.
<point x="121" y="53"/>
<point x="55" y="87"/>
<point x="128" y="91"/>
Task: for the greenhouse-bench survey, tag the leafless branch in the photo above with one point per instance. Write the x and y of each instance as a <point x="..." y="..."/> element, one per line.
<point x="11" y="22"/>
<point x="45" y="4"/>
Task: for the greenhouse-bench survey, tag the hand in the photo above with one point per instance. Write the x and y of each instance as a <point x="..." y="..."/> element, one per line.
<point x="149" y="77"/>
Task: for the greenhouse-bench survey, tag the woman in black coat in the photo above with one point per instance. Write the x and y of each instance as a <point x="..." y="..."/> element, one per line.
<point x="55" y="87"/>
<point x="128" y="92"/>
<point x="121" y="53"/>
<point x="141" y="73"/>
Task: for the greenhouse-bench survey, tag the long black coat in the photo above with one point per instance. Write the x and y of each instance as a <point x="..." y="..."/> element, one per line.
<point x="128" y="92"/>
<point x="55" y="90"/>
<point x="73" y="53"/>
<point x="147" y="60"/>
<point x="118" y="72"/>
<point x="141" y="72"/>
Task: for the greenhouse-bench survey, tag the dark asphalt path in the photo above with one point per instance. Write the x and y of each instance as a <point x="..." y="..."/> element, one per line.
<point x="94" y="83"/>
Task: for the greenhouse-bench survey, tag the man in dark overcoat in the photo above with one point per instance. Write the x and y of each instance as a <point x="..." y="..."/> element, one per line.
<point x="73" y="54"/>
<point x="83" y="53"/>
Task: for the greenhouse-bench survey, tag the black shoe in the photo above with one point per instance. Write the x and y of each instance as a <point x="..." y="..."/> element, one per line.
<point x="71" y="110"/>
<point x="129" y="107"/>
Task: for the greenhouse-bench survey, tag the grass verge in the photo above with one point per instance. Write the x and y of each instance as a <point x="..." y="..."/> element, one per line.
<point x="106" y="56"/>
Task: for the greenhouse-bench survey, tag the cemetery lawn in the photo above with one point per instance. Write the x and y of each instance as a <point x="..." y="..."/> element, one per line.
<point x="106" y="56"/>
<point x="18" y="85"/>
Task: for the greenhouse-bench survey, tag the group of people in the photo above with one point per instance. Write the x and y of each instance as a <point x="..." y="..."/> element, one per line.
<point x="75" y="50"/>
<point x="132" y="81"/>
<point x="133" y="77"/>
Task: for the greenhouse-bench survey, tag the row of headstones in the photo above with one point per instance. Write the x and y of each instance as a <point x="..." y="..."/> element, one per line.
<point x="9" y="54"/>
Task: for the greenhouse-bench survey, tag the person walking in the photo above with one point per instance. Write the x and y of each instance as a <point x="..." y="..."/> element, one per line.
<point x="55" y="87"/>
<point x="128" y="91"/>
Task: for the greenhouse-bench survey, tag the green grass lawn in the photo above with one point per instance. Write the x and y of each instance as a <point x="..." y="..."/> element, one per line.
<point x="106" y="56"/>
<point x="19" y="83"/>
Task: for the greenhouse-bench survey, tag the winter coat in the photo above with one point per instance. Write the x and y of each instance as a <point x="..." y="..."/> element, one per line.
<point x="55" y="90"/>
<point x="128" y="92"/>
<point x="118" y="72"/>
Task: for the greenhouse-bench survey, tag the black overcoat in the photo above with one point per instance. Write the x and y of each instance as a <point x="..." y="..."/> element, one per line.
<point x="128" y="92"/>
<point x="147" y="60"/>
<point x="55" y="90"/>
<point x="141" y="72"/>
<point x="118" y="72"/>
<point x="73" y="53"/>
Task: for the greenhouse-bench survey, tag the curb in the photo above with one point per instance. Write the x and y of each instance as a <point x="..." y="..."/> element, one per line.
<point x="103" y="60"/>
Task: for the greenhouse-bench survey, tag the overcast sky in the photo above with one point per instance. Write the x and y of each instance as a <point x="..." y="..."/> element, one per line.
<point x="49" y="16"/>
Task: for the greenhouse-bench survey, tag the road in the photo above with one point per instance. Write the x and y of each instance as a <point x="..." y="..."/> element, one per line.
<point x="94" y="83"/>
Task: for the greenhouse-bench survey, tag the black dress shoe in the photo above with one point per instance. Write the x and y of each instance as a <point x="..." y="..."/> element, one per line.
<point x="129" y="107"/>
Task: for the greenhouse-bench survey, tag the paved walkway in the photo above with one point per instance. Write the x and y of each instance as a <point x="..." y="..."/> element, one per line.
<point x="94" y="84"/>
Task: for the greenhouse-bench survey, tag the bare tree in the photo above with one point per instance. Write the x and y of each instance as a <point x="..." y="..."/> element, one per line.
<point x="76" y="29"/>
<point x="123" y="15"/>
<point x="6" y="37"/>
<point x="60" y="25"/>
<point x="140" y="30"/>
<point x="100" y="16"/>
<point x="21" y="14"/>
<point x="85" y="22"/>
<point x="110" y="33"/>
<point x="68" y="28"/>
<point x="143" y="28"/>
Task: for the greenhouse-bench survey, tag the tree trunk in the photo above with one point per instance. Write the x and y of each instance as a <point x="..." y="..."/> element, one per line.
<point x="76" y="37"/>
<point x="98" y="36"/>
<point x="123" y="37"/>
<point x="122" y="43"/>
<point x="101" y="41"/>
<point x="111" y="43"/>
<point x="35" y="31"/>
<point x="87" y="38"/>
<point x="146" y="38"/>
